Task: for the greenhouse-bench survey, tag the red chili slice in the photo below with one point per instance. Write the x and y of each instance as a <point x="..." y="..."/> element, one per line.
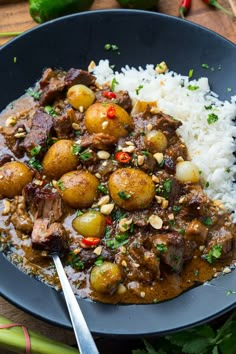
<point x="108" y="220"/>
<point x="111" y="112"/>
<point x="90" y="241"/>
<point x="122" y="157"/>
<point x="109" y="94"/>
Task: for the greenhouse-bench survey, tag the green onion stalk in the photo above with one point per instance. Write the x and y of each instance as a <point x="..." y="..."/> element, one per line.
<point x="13" y="339"/>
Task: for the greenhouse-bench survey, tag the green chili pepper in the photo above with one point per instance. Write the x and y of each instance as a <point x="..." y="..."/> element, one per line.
<point x="45" y="10"/>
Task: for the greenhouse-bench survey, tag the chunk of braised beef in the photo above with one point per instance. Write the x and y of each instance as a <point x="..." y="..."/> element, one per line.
<point x="169" y="165"/>
<point x="122" y="98"/>
<point x="189" y="249"/>
<point x="78" y="76"/>
<point x="196" y="231"/>
<point x="149" y="163"/>
<point x="5" y="158"/>
<point x="41" y="129"/>
<point x="170" y="189"/>
<point x="167" y="124"/>
<point x="44" y="202"/>
<point x="98" y="141"/>
<point x="194" y="201"/>
<point x="176" y="150"/>
<point x="13" y="142"/>
<point x="48" y="74"/>
<point x="51" y="84"/>
<point x="139" y="264"/>
<point x="170" y="247"/>
<point x="63" y="125"/>
<point x="49" y="237"/>
<point x="222" y="237"/>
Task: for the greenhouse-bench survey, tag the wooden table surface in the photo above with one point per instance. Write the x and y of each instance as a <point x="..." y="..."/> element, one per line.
<point x="14" y="16"/>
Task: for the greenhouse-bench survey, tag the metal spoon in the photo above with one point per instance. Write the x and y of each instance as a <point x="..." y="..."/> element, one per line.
<point x="83" y="336"/>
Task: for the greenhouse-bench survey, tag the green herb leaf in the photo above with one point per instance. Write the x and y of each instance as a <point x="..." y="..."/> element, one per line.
<point x="99" y="261"/>
<point x="35" y="163"/>
<point x="124" y="195"/>
<point x="76" y="149"/>
<point x="138" y="89"/>
<point x="193" y="87"/>
<point x="205" y="66"/>
<point x="162" y="248"/>
<point x="60" y="185"/>
<point x="114" y="82"/>
<point x="207" y="221"/>
<point x="190" y="73"/>
<point x="118" y="241"/>
<point x="75" y="262"/>
<point x="212" y="118"/>
<point x="85" y="155"/>
<point x="50" y="110"/>
<point x="102" y="189"/>
<point x="213" y="254"/>
<point x="36" y="150"/>
<point x="35" y="94"/>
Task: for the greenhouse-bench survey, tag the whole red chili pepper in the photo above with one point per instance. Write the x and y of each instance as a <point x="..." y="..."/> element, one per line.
<point x="184" y="7"/>
<point x="215" y="3"/>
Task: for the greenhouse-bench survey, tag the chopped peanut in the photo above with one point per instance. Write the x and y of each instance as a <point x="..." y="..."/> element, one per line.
<point x="155" y="221"/>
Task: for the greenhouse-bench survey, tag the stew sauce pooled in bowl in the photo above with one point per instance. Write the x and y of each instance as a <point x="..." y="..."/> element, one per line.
<point x="107" y="181"/>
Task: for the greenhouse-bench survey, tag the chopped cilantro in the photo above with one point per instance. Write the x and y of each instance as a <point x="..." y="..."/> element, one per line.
<point x="208" y="107"/>
<point x="207" y="221"/>
<point x="193" y="87"/>
<point x="190" y="73"/>
<point x="213" y="254"/>
<point x="161" y="247"/>
<point x="138" y="89"/>
<point x="50" y="110"/>
<point x="85" y="155"/>
<point x="76" y="149"/>
<point x="176" y="208"/>
<point x="102" y="189"/>
<point x="35" y="94"/>
<point x="60" y="185"/>
<point x="207" y="184"/>
<point x="205" y="66"/>
<point x="145" y="152"/>
<point x="75" y="262"/>
<point x="36" y="150"/>
<point x="124" y="195"/>
<point x="99" y="261"/>
<point x="114" y="82"/>
<point x="212" y="118"/>
<point x="35" y="163"/>
<point x="118" y="241"/>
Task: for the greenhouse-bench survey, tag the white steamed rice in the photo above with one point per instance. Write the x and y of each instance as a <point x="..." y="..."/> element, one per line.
<point x="210" y="146"/>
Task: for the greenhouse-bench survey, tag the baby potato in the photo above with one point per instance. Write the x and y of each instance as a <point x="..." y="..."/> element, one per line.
<point x="14" y="176"/>
<point x="108" y="118"/>
<point x="131" y="189"/>
<point x="105" y="278"/>
<point x="155" y="141"/>
<point x="59" y="159"/>
<point x="187" y="172"/>
<point x="78" y="188"/>
<point x="90" y="224"/>
<point x="80" y="96"/>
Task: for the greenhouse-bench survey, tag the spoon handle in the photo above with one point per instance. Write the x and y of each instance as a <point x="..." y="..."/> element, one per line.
<point x="83" y="336"/>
